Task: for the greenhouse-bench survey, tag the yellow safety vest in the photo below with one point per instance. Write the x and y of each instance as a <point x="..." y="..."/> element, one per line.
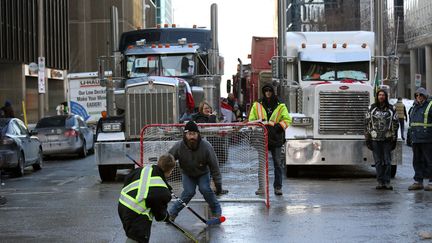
<point x="425" y="123"/>
<point x="280" y="115"/>
<point x="142" y="185"/>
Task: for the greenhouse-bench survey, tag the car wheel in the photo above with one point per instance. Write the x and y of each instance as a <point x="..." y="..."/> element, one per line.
<point x="91" y="150"/>
<point x="39" y="163"/>
<point x="83" y="152"/>
<point x="19" y="170"/>
<point x="107" y="172"/>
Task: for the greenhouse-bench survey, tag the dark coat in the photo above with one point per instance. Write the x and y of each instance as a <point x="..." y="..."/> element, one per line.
<point x="136" y="226"/>
<point x="420" y="134"/>
<point x="201" y="118"/>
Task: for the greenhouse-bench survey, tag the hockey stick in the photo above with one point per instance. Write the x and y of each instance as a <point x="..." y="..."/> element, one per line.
<point x="214" y="221"/>
<point x="184" y="232"/>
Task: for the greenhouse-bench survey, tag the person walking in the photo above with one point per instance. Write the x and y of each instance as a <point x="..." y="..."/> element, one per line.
<point x="145" y="196"/>
<point x="402" y="114"/>
<point x="7" y="109"/>
<point x="274" y="114"/>
<point x="421" y="136"/>
<point x="197" y="161"/>
<point x="381" y="137"/>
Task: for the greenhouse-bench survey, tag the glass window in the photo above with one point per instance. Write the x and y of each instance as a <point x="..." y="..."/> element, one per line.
<point x="81" y="123"/>
<point x="322" y="71"/>
<point x="55" y="121"/>
<point x="143" y="66"/>
<point x="22" y="127"/>
<point x="179" y="65"/>
<point x="165" y="65"/>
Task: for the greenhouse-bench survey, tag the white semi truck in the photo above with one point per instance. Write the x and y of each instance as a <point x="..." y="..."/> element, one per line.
<point x="329" y="86"/>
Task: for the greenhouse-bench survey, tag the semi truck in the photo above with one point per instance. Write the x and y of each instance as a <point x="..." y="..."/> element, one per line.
<point x="329" y="86"/>
<point x="159" y="77"/>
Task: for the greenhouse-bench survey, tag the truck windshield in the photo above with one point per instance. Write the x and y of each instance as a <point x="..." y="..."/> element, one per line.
<point x="163" y="65"/>
<point x="323" y="71"/>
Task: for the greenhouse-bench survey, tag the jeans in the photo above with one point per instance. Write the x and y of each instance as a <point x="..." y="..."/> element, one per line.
<point x="382" y="157"/>
<point x="276" y="157"/>
<point x="189" y="188"/>
<point x="402" y="125"/>
<point x="422" y="161"/>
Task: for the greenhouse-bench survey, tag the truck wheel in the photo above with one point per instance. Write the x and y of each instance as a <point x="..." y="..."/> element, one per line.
<point x="393" y="171"/>
<point x="291" y="170"/>
<point x="19" y="169"/>
<point x="107" y="172"/>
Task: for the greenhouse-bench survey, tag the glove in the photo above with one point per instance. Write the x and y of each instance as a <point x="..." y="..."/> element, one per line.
<point x="219" y="190"/>
<point x="369" y="144"/>
<point x="278" y="128"/>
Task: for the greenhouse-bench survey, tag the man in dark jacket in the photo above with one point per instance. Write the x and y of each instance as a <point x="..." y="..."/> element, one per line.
<point x="197" y="161"/>
<point x="141" y="201"/>
<point x="8" y="110"/>
<point x="382" y="125"/>
<point x="274" y="114"/>
<point x="421" y="136"/>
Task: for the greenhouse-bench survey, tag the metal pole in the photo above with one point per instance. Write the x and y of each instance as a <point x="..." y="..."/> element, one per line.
<point x="41" y="52"/>
<point x="378" y="9"/>
<point x="281" y="37"/>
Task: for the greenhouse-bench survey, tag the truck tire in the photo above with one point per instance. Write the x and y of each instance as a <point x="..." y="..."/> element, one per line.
<point x="291" y="170"/>
<point x="393" y="171"/>
<point x="107" y="173"/>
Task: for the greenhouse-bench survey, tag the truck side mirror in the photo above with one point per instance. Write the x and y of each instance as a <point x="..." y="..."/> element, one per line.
<point x="228" y="86"/>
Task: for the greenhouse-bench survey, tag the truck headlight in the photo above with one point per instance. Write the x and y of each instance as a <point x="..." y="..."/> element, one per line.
<point x="302" y="121"/>
<point x="112" y="127"/>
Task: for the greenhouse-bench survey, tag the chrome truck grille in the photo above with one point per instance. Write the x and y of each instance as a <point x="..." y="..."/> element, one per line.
<point x="150" y="104"/>
<point x="342" y="112"/>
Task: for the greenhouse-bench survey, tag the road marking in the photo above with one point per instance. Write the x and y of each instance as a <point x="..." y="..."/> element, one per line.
<point x="67" y="181"/>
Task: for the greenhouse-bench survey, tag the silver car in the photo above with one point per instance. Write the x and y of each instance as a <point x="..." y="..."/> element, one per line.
<point x="65" y="134"/>
<point x="18" y="147"/>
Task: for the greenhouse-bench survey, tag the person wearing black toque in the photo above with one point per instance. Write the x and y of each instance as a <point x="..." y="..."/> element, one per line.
<point x="197" y="161"/>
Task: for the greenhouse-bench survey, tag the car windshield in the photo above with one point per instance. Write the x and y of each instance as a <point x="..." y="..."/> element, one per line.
<point x="56" y="121"/>
<point x="161" y="65"/>
<point x="322" y="71"/>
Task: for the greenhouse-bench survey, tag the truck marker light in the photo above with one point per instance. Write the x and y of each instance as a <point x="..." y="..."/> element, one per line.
<point x="303" y="45"/>
<point x="344" y="87"/>
<point x="334" y="45"/>
<point x="158" y="26"/>
<point x="153" y="46"/>
<point x="160" y="45"/>
<point x="344" y="45"/>
<point x="167" y="45"/>
<point x="190" y="45"/>
<point x="194" y="26"/>
<point x="364" y="45"/>
<point x="130" y="47"/>
<point x="165" y="25"/>
<point x="324" y="45"/>
<point x="173" y="25"/>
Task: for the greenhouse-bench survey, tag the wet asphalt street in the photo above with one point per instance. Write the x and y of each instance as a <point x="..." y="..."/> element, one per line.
<point x="66" y="202"/>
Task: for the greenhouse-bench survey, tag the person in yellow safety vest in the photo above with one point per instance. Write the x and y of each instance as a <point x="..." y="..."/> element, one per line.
<point x="274" y="114"/>
<point x="402" y="114"/>
<point x="421" y="134"/>
<point x="145" y="196"/>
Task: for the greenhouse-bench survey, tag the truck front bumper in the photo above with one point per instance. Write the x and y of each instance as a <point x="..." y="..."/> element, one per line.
<point x="333" y="152"/>
<point x="113" y="153"/>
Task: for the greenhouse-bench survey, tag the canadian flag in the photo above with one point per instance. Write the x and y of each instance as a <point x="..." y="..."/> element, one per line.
<point x="190" y="103"/>
<point x="227" y="111"/>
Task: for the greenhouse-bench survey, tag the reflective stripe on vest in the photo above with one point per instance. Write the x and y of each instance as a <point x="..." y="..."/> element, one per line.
<point x="142" y="185"/>
<point x="262" y="114"/>
<point x="425" y="124"/>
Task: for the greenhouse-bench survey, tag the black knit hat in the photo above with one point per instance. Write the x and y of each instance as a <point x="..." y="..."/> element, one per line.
<point x="191" y="126"/>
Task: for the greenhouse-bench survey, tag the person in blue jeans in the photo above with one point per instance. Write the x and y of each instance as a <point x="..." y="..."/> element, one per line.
<point x="197" y="161"/>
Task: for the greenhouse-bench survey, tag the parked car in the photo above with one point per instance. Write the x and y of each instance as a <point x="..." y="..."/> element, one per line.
<point x="65" y="134"/>
<point x="18" y="147"/>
